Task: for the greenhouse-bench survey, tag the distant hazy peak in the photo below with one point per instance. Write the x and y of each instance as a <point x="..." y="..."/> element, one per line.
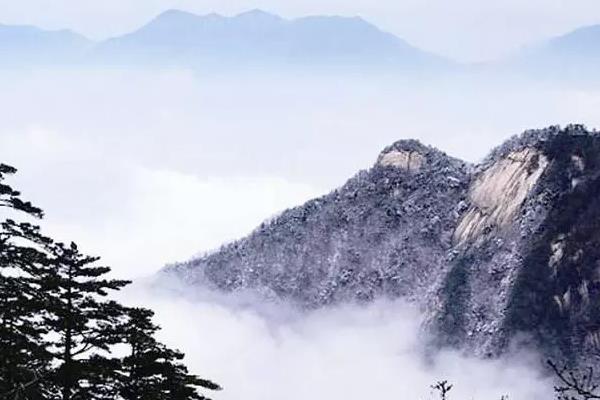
<point x="256" y="37"/>
<point x="175" y="13"/>
<point x="258" y="14"/>
<point x="583" y="42"/>
<point x="261" y="16"/>
<point x="32" y="28"/>
<point x="27" y="38"/>
<point x="180" y="15"/>
<point x="572" y="56"/>
<point x="586" y="31"/>
<point x="356" y="20"/>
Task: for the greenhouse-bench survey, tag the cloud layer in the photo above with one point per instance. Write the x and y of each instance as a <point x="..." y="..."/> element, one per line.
<point x="139" y="218"/>
<point x="150" y="167"/>
<point x="349" y="352"/>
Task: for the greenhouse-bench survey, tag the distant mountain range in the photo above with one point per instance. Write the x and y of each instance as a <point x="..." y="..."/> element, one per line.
<point x="259" y="39"/>
<point x="254" y="38"/>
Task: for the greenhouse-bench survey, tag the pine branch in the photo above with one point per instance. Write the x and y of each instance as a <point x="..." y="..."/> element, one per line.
<point x="582" y="385"/>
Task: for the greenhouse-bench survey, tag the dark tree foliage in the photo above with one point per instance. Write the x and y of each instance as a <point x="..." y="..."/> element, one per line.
<point x="574" y="383"/>
<point x="11" y="198"/>
<point x="23" y="350"/>
<point x="59" y="329"/>
<point x="443" y="388"/>
<point x="77" y="311"/>
<point x="151" y="370"/>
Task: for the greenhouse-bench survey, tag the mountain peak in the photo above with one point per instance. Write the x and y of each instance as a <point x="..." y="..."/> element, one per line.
<point x="176" y="17"/>
<point x="488" y="252"/>
<point x="175" y="13"/>
<point x="409" y="155"/>
<point x="408" y="145"/>
<point x="258" y="13"/>
<point x="537" y="139"/>
<point x="412" y="155"/>
<point x="586" y="32"/>
<point x="257" y="37"/>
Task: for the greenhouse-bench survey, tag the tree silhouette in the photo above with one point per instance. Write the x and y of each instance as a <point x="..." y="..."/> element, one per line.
<point x="81" y="316"/>
<point x="59" y="329"/>
<point x="23" y="350"/>
<point x="574" y="383"/>
<point x="442" y="387"/>
<point x="151" y="370"/>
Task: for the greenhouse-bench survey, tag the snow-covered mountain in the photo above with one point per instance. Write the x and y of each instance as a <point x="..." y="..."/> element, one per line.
<point x="502" y="251"/>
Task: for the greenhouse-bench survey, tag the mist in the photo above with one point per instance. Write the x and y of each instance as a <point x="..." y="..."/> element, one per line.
<point x="147" y="167"/>
<point x="150" y="167"/>
<point x="258" y="350"/>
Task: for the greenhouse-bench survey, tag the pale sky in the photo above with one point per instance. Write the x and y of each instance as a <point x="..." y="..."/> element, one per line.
<point x="468" y="30"/>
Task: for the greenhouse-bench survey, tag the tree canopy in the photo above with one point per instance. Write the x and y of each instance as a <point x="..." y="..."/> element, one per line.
<point x="59" y="326"/>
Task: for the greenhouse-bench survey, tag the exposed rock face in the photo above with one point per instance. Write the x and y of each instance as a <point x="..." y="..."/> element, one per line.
<point x="508" y="249"/>
<point x="499" y="191"/>
<point x="527" y="264"/>
<point x="410" y="161"/>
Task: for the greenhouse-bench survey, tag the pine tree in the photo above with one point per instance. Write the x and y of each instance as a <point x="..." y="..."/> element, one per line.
<point x="24" y="359"/>
<point x="10" y="198"/>
<point x="101" y="376"/>
<point x="58" y="329"/>
<point x="86" y="323"/>
<point x="152" y="371"/>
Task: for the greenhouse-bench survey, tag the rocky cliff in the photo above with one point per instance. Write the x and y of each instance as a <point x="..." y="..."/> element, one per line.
<point x="504" y="251"/>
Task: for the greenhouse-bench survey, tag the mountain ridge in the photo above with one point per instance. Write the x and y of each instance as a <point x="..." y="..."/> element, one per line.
<point x="259" y="37"/>
<point x="256" y="38"/>
<point x="571" y="56"/>
<point x="22" y="44"/>
<point x="492" y="253"/>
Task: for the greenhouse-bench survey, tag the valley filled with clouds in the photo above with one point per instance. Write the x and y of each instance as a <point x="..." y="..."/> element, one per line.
<point x="151" y="163"/>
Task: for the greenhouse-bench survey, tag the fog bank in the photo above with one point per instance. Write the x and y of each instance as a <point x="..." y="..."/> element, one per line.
<point x="268" y="352"/>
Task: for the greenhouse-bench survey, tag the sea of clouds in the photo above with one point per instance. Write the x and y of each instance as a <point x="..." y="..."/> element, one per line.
<point x="148" y="167"/>
<point x="262" y="351"/>
<point x="145" y="167"/>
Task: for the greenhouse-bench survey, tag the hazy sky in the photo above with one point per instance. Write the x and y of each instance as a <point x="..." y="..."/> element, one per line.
<point x="462" y="29"/>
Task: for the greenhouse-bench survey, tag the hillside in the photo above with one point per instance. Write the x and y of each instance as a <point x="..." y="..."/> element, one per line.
<point x="493" y="253"/>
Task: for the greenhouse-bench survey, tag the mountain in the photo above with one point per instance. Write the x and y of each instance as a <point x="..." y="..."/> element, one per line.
<point x="27" y="45"/>
<point x="583" y="42"/>
<point x="575" y="55"/>
<point x="496" y="253"/>
<point x="257" y="38"/>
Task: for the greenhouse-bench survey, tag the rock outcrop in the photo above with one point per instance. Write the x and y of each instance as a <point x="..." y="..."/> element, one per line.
<point x="504" y="251"/>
